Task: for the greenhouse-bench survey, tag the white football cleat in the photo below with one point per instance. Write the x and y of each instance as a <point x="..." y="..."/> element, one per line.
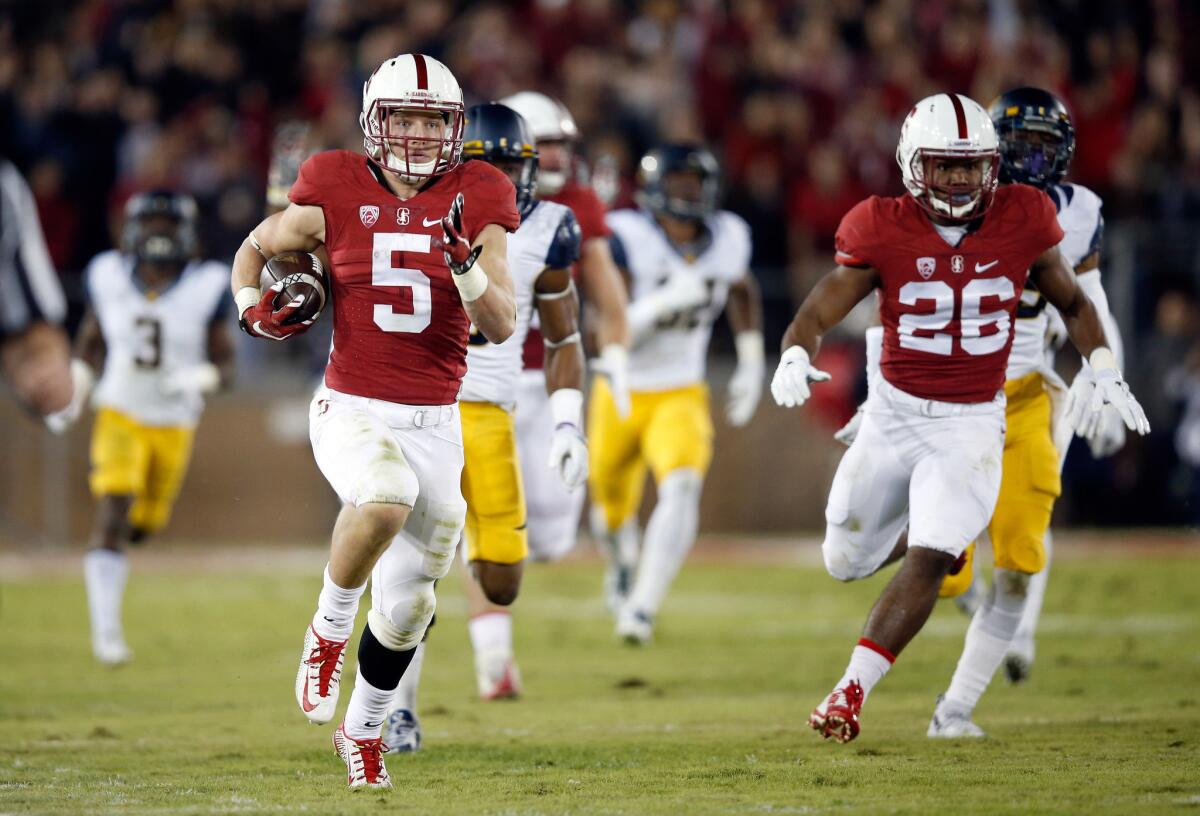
<point x="634" y="627"/>
<point x="320" y="676"/>
<point x="497" y="676"/>
<point x="111" y="650"/>
<point x="1018" y="663"/>
<point x="363" y="758"/>
<point x="402" y="732"/>
<point x="952" y="721"/>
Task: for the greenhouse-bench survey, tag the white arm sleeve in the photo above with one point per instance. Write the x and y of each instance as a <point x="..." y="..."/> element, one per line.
<point x="1092" y="286"/>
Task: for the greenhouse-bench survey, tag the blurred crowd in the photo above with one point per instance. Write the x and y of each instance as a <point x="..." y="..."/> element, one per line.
<point x="801" y="101"/>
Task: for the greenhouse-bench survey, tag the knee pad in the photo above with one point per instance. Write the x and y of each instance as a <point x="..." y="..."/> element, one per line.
<point x="839" y="554"/>
<point x="434" y="529"/>
<point x="402" y="626"/>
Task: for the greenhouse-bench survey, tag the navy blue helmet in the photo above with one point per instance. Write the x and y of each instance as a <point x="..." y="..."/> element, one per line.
<point x="497" y="134"/>
<point x="1024" y="111"/>
<point x="668" y="159"/>
<point x="160" y="227"/>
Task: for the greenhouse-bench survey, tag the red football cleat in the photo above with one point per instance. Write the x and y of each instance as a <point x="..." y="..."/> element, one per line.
<point x="837" y="715"/>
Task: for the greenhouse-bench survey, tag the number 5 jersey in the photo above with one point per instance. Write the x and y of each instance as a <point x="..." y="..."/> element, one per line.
<point x="150" y="334"/>
<point x="399" y="328"/>
<point x="948" y="311"/>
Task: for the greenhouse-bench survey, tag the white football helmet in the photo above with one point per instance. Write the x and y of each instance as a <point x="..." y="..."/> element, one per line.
<point x="949" y="126"/>
<point x="411" y="82"/>
<point x="549" y="121"/>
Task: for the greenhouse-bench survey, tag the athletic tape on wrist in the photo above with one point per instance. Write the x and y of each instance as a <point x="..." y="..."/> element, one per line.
<point x="472" y="283"/>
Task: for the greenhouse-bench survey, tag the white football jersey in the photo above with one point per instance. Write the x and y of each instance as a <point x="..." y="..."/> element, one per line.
<point x="1083" y="226"/>
<point x="548" y="238"/>
<point x="674" y="355"/>
<point x="149" y="335"/>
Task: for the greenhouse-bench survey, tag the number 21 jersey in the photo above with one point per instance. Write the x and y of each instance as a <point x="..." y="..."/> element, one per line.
<point x="399" y="328"/>
<point x="948" y="311"/>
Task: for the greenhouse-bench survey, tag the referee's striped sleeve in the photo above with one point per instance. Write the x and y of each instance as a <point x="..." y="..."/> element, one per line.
<point x="29" y="287"/>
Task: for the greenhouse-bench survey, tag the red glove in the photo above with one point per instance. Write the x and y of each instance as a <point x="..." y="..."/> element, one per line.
<point x="457" y="249"/>
<point x="264" y="320"/>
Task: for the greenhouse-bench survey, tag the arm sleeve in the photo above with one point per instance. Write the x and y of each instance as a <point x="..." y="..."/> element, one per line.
<point x="492" y="199"/>
<point x="29" y="287"/>
<point x="566" y="243"/>
<point x="1093" y="287"/>
<point x="852" y="244"/>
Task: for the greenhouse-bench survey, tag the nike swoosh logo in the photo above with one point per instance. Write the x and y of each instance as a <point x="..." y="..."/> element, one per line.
<point x="304" y="703"/>
<point x="331" y="620"/>
<point x="985" y="267"/>
<point x="425" y="222"/>
<point x="372" y="724"/>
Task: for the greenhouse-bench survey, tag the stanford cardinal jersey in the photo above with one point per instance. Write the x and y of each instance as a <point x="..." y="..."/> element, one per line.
<point x="589" y="212"/>
<point x="399" y="329"/>
<point x="948" y="311"/>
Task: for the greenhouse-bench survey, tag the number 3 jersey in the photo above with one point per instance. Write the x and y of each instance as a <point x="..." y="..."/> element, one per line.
<point x="947" y="311"/>
<point x="548" y="238"/>
<point x="399" y="328"/>
<point x="674" y="354"/>
<point x="149" y="335"/>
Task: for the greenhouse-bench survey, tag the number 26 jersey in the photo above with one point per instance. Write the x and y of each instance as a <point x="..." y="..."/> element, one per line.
<point x="947" y="311"/>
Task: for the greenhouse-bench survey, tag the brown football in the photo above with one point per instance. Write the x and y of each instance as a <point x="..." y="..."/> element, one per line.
<point x="304" y="284"/>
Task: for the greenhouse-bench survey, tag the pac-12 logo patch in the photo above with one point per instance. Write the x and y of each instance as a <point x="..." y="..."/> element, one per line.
<point x="368" y="214"/>
<point x="402" y="216"/>
<point x="926" y="267"/>
<point x="956" y="264"/>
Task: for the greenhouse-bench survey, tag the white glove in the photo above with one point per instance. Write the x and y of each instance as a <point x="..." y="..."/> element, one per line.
<point x="795" y="372"/>
<point x="199" y="379"/>
<point x="745" y="387"/>
<point x="568" y="448"/>
<point x="1089" y="394"/>
<point x="1109" y="434"/>
<point x="82" y="380"/>
<point x="848" y="432"/>
<point x="683" y="290"/>
<point x="613" y="363"/>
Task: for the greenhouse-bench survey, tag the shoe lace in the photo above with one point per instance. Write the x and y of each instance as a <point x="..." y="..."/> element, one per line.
<point x="325" y="655"/>
<point x="854" y="695"/>
<point x="370" y="753"/>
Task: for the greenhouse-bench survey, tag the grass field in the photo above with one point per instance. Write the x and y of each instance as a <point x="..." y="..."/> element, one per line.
<point x="708" y="720"/>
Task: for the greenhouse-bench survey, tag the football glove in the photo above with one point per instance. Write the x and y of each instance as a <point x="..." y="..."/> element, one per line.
<point x="745" y="387"/>
<point x="569" y="455"/>
<point x="264" y="320"/>
<point x="848" y="432"/>
<point x="459" y="254"/>
<point x="1102" y="386"/>
<point x="82" y="380"/>
<point x="792" y="378"/>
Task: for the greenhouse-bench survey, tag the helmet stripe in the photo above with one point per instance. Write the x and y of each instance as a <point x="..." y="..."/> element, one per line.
<point x="423" y="72"/>
<point x="960" y="114"/>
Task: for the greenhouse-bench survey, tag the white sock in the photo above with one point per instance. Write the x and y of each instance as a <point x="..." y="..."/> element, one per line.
<point x="367" y="709"/>
<point x="669" y="538"/>
<point x="868" y="665"/>
<point x="491" y="632"/>
<point x="406" y="691"/>
<point x="104" y="575"/>
<point x="336" y="610"/>
<point x="620" y="545"/>
<point x="1035" y="595"/>
<point x="988" y="637"/>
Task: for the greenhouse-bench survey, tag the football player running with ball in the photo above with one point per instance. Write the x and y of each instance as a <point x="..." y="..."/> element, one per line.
<point x="950" y="259"/>
<point x="418" y="241"/>
<point x="540" y="254"/>
<point x="682" y="258"/>
<point x="157" y="328"/>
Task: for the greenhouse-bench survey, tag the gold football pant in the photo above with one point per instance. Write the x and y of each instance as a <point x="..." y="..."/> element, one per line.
<point x="491" y="485"/>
